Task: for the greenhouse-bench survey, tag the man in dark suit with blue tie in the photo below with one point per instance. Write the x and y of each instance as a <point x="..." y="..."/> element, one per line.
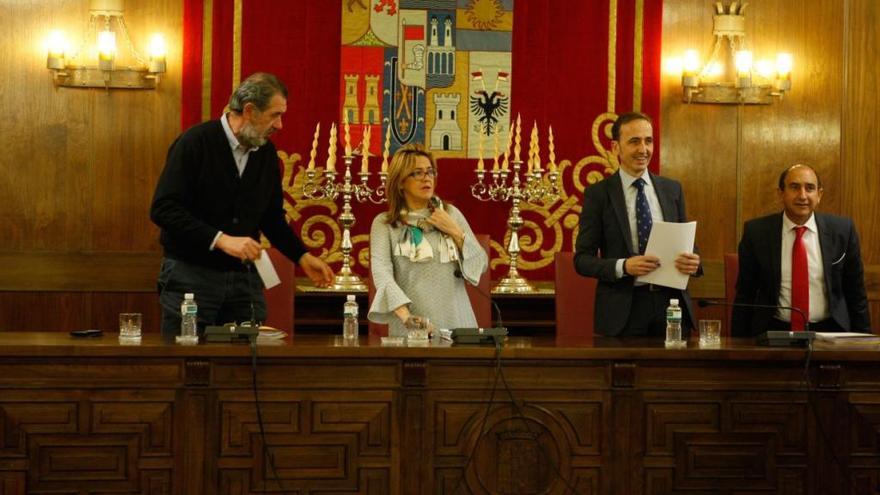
<point x="615" y="223"/>
<point x="801" y="258"/>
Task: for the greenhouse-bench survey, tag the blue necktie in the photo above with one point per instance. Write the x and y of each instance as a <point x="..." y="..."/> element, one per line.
<point x="643" y="215"/>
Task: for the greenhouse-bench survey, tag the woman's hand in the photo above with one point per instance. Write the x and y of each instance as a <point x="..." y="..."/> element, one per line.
<point x="444" y="223"/>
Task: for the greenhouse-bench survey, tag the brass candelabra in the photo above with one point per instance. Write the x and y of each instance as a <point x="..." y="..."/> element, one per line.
<point x="506" y="185"/>
<point x="328" y="188"/>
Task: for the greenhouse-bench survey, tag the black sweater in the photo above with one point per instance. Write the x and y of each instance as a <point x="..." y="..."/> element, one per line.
<point x="200" y="193"/>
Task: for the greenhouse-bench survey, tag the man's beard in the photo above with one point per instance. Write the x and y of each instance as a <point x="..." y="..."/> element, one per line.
<point x="250" y="137"/>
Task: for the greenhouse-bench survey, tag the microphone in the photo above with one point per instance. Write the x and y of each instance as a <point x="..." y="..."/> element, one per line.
<point x="232" y="332"/>
<point x="249" y="264"/>
<point x="773" y="338"/>
<point x="479" y="335"/>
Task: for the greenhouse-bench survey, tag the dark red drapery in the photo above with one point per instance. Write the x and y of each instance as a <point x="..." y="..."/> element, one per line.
<point x="560" y="78"/>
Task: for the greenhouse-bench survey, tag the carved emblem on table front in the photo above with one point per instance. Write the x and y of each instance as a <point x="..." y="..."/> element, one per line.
<point x="518" y="451"/>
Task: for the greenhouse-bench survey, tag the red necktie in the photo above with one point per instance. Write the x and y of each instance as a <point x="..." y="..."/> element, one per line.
<point x="800" y="283"/>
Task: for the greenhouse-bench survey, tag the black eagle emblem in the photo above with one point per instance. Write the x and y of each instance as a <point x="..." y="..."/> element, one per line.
<point x="490" y="107"/>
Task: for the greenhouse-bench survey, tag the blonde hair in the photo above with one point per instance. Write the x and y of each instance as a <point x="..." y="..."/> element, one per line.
<point x="402" y="165"/>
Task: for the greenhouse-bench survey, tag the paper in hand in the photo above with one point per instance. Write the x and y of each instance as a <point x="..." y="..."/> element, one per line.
<point x="267" y="270"/>
<point x="667" y="241"/>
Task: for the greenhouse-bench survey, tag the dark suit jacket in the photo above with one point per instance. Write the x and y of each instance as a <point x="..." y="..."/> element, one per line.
<point x="604" y="228"/>
<point x="760" y="273"/>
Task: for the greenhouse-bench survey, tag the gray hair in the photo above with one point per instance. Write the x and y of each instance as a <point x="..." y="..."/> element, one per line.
<point x="258" y="88"/>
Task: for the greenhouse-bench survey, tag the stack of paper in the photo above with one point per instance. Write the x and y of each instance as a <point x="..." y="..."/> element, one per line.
<point x="847" y="340"/>
<point x="270" y="335"/>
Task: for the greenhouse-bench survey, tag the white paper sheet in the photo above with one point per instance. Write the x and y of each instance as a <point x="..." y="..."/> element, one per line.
<point x="667" y="241"/>
<point x="267" y="270"/>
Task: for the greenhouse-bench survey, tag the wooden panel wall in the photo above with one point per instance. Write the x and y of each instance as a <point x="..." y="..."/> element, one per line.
<point x="78" y="171"/>
<point x="79" y="166"/>
<point x="729" y="158"/>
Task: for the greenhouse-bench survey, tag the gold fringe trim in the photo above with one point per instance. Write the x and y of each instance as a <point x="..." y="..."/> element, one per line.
<point x="236" y="43"/>
<point x="638" y="39"/>
<point x="207" y="49"/>
<point x="612" y="54"/>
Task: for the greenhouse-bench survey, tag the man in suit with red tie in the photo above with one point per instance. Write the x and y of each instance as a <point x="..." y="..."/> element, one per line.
<point x="616" y="221"/>
<point x="800" y="258"/>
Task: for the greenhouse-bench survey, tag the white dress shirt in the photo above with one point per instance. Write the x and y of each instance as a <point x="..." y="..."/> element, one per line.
<point x="630" y="191"/>
<point x="815" y="269"/>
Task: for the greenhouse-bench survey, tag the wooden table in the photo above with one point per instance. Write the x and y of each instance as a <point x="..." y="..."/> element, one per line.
<point x="603" y="416"/>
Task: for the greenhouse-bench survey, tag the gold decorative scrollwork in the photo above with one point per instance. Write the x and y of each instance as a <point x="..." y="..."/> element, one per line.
<point x="559" y="220"/>
<point x="548" y="228"/>
<point x="320" y="229"/>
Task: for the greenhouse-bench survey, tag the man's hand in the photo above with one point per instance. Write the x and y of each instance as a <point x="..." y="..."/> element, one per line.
<point x="243" y="248"/>
<point x="641" y="265"/>
<point x="688" y="263"/>
<point x="317" y="270"/>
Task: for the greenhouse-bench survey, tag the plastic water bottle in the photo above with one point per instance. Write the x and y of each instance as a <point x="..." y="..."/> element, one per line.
<point x="673" y="325"/>
<point x="350" y="323"/>
<point x="189" y="311"/>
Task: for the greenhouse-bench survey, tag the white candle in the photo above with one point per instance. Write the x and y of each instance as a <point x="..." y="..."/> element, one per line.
<point x="495" y="148"/>
<point x="314" y="151"/>
<point x="387" y="150"/>
<point x="517" y="140"/>
<point x="480" y="165"/>
<point x="347" y="135"/>
<point x="365" y="150"/>
<point x="331" y="152"/>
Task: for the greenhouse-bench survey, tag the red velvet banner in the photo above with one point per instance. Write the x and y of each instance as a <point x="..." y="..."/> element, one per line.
<point x="576" y="64"/>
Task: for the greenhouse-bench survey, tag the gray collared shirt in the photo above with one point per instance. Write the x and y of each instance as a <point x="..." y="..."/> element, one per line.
<point x="239" y="152"/>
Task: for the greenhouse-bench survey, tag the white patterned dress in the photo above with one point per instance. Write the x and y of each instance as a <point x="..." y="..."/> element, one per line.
<point x="430" y="287"/>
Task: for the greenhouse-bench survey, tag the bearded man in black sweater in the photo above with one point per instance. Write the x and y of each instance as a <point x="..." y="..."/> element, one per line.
<point x="221" y="187"/>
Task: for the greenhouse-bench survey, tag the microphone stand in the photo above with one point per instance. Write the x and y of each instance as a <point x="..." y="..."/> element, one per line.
<point x="494" y="335"/>
<point x="773" y="338"/>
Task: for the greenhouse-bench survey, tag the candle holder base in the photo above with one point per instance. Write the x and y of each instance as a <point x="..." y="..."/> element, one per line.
<point x="513" y="284"/>
<point x="348" y="282"/>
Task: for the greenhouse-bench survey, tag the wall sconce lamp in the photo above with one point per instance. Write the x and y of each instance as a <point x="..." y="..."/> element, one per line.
<point x="749" y="83"/>
<point x="106" y="24"/>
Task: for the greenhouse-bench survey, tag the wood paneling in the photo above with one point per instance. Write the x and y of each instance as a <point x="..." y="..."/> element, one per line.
<point x="729" y="159"/>
<point x="77" y="271"/>
<point x="861" y="131"/>
<point x="615" y="417"/>
<point x="77" y="174"/>
<point x="79" y="166"/>
<point x="67" y="311"/>
<point x="699" y="142"/>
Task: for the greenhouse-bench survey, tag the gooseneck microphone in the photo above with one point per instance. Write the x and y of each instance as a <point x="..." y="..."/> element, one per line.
<point x="710" y="302"/>
<point x="774" y="338"/>
<point x="479" y="335"/>
<point x="460" y="275"/>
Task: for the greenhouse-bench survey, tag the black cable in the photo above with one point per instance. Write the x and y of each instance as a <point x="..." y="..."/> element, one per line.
<point x="484" y="421"/>
<point x="522" y="417"/>
<point x="266" y="454"/>
<point x="459" y="274"/>
<point x="248" y="264"/>
<point x="845" y="471"/>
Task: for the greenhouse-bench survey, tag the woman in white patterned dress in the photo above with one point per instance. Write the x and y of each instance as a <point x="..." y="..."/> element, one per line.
<point x="422" y="251"/>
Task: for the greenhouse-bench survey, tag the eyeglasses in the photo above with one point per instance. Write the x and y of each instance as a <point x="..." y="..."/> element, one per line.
<point x="420" y="174"/>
